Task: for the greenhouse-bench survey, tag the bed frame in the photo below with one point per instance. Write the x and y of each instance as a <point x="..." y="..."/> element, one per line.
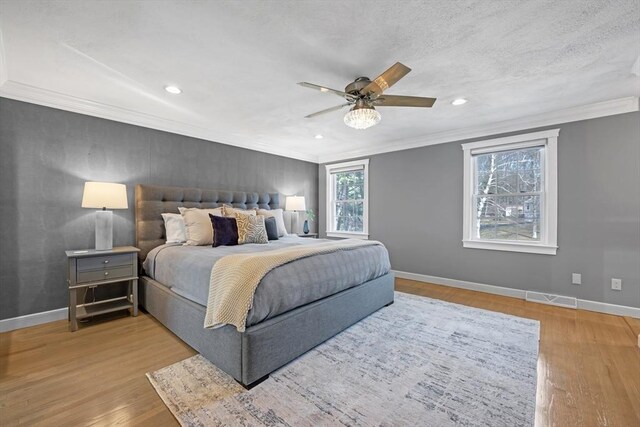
<point x="248" y="356"/>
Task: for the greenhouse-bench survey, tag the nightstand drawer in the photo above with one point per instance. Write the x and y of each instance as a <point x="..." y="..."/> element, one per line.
<point x="91" y="269"/>
<point x="107" y="274"/>
<point x="102" y="262"/>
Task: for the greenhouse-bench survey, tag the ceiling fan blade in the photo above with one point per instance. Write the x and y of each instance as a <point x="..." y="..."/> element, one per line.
<point x="403" y="101"/>
<point x="326" y="89"/>
<point x="385" y="80"/>
<point x="328" y="110"/>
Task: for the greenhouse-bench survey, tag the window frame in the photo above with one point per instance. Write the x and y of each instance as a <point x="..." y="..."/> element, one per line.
<point x="330" y="210"/>
<point x="548" y="244"/>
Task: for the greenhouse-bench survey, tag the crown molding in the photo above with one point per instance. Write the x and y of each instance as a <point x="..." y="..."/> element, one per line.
<point x="36" y="95"/>
<point x="573" y="114"/>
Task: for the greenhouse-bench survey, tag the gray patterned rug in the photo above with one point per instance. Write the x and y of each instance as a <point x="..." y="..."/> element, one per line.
<point x="417" y="362"/>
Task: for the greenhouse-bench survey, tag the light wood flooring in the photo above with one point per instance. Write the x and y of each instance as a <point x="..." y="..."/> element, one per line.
<point x="588" y="368"/>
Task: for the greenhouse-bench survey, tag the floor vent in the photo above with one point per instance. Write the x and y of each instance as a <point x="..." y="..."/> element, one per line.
<point x="559" y="300"/>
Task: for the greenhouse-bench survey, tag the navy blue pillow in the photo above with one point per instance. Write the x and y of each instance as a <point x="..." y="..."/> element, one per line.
<point x="272" y="228"/>
<point x="225" y="231"/>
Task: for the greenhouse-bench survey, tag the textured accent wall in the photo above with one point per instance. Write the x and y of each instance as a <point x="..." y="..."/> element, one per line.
<point x="416" y="210"/>
<point x="46" y="155"/>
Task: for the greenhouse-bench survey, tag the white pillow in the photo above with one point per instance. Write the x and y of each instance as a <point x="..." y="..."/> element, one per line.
<point x="199" y="230"/>
<point x="175" y="229"/>
<point x="277" y="214"/>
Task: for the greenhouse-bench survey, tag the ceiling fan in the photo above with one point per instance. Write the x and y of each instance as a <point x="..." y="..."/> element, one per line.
<point x="365" y="94"/>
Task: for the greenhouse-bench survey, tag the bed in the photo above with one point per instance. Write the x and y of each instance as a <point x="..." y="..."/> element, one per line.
<point x="278" y="329"/>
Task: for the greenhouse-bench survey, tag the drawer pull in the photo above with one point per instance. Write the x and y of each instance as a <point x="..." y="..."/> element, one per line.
<point x="106" y="261"/>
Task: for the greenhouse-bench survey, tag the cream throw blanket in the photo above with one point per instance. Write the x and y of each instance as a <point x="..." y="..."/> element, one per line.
<point x="235" y="278"/>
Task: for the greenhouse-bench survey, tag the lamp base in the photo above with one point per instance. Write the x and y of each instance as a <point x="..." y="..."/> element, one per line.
<point x="295" y="222"/>
<point x="104" y="230"/>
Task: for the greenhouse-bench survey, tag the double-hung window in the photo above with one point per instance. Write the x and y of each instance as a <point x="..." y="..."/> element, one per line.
<point x="510" y="193"/>
<point x="348" y="200"/>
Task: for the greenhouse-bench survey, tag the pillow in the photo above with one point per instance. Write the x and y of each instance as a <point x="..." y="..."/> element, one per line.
<point x="277" y="214"/>
<point x="225" y="231"/>
<point x="271" y="227"/>
<point x="251" y="229"/>
<point x="230" y="211"/>
<point x="174" y="227"/>
<point x="198" y="225"/>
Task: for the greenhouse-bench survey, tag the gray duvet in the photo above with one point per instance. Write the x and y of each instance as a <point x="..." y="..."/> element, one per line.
<point x="187" y="270"/>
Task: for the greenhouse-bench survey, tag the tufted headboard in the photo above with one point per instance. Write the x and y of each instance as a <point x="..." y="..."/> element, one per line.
<point x="152" y="201"/>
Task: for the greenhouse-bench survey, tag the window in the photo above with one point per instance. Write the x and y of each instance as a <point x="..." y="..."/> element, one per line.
<point x="348" y="199"/>
<point x="510" y="193"/>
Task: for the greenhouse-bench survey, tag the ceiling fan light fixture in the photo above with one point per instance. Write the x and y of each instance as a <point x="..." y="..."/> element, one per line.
<point x="365" y="93"/>
<point x="362" y="117"/>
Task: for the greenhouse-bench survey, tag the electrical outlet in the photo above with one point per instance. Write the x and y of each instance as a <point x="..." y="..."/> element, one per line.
<point x="616" y="284"/>
<point x="576" y="278"/>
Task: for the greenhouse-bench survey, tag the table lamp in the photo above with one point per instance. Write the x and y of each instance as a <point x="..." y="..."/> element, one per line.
<point x="103" y="195"/>
<point x="297" y="204"/>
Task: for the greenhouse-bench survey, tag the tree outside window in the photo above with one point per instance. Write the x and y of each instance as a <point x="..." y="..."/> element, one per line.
<point x="511" y="193"/>
<point x="507" y="195"/>
<point x="347" y="206"/>
<point x="349" y="202"/>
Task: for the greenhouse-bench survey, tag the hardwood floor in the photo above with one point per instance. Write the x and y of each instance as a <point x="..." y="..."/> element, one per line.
<point x="588" y="368"/>
<point x="588" y="365"/>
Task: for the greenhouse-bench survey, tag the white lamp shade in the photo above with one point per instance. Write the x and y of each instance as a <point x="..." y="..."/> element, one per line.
<point x="295" y="203"/>
<point x="104" y="195"/>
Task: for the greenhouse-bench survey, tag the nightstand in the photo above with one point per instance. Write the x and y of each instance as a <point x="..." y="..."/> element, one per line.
<point x="310" y="235"/>
<point x="91" y="268"/>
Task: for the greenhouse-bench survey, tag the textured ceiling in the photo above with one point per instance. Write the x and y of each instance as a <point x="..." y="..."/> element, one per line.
<point x="238" y="62"/>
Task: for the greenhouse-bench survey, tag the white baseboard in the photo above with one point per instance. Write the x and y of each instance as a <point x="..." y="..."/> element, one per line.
<point x="600" y="307"/>
<point x="603" y="307"/>
<point x="19" y="322"/>
<point x="473" y="286"/>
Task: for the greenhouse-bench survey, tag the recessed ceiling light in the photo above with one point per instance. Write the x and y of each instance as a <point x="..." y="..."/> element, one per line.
<point x="459" y="101"/>
<point x="172" y="89"/>
<point x="318" y="136"/>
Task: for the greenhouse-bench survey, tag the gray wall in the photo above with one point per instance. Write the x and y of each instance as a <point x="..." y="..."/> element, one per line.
<point x="416" y="210"/>
<point x="46" y="155"/>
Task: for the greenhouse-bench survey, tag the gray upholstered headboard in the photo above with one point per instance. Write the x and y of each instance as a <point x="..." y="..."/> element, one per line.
<point x="152" y="201"/>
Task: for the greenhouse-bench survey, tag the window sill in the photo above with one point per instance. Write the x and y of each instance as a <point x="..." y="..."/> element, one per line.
<point x="347" y="235"/>
<point x="511" y="247"/>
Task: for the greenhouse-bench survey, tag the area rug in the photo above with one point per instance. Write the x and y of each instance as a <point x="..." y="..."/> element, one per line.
<point x="417" y="362"/>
